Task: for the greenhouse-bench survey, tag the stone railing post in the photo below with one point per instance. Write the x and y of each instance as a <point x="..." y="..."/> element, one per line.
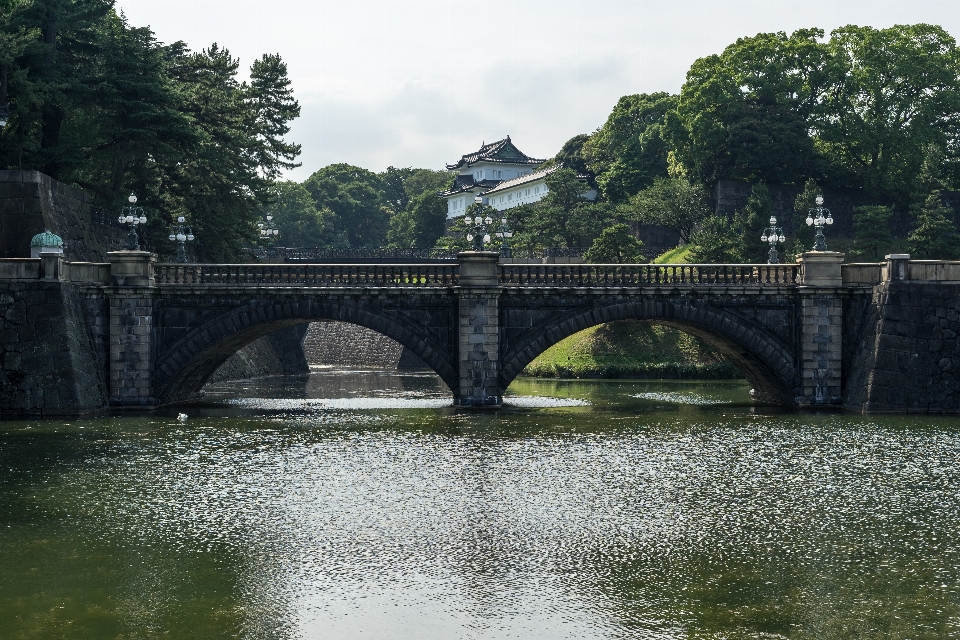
<point x="131" y="327"/>
<point x="822" y="329"/>
<point x="898" y="267"/>
<point x="51" y="265"/>
<point x="478" y="351"/>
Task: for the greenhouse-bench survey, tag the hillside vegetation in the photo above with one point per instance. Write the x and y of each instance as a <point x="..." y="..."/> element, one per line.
<point x="631" y="349"/>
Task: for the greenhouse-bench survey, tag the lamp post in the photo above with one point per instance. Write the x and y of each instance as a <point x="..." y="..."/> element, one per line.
<point x="773" y="234"/>
<point x="504" y="234"/>
<point x="819" y="216"/>
<point x="267" y="230"/>
<point x="132" y="215"/>
<point x="477" y="228"/>
<point x="181" y="234"/>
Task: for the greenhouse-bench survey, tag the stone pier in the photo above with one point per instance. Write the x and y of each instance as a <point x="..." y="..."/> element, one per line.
<point x="479" y="331"/>
<point x="821" y="309"/>
<point x="131" y="327"/>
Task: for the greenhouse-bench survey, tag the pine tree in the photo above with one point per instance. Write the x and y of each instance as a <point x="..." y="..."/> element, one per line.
<point x="748" y="225"/>
<point x="273" y="108"/>
<point x="872" y="238"/>
<point x="935" y="235"/>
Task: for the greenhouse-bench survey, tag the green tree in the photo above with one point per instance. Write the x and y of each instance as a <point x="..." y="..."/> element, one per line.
<point x="628" y="152"/>
<point x="296" y="216"/>
<point x="935" y="235"/>
<point x="872" y="239"/>
<point x="713" y="243"/>
<point x="858" y="109"/>
<point x="743" y="114"/>
<point x="749" y="224"/>
<point x="615" y="245"/>
<point x="673" y="203"/>
<point x="355" y="198"/>
<point x="571" y="157"/>
<point x="223" y="186"/>
<point x="402" y="185"/>
<point x="272" y="108"/>
<point x="101" y="104"/>
<point x="897" y="92"/>
<point x="421" y="224"/>
<point x="564" y="217"/>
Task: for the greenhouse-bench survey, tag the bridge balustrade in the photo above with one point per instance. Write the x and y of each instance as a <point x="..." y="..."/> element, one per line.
<point x="620" y="275"/>
<point x="316" y="275"/>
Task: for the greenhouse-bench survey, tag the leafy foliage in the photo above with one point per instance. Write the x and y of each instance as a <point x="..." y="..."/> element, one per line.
<point x="297" y="218"/>
<point x="673" y="203"/>
<point x="803" y="235"/>
<point x="564" y="218"/>
<point x="859" y="109"/>
<point x="420" y="224"/>
<point x="355" y="197"/>
<point x="615" y="245"/>
<point x="712" y="241"/>
<point x="628" y="152"/>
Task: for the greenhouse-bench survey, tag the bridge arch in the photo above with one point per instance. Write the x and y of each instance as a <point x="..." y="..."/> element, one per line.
<point x="183" y="368"/>
<point x="767" y="363"/>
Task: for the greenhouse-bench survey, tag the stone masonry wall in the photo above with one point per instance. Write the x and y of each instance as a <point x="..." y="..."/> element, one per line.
<point x="349" y="345"/>
<point x="53" y="349"/>
<point x="277" y="353"/>
<point x="908" y="357"/>
<point x="31" y="202"/>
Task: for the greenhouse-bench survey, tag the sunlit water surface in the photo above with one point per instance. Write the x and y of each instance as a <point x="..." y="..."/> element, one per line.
<point x="363" y="505"/>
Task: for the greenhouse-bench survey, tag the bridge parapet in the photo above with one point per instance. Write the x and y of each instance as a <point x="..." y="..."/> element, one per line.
<point x="308" y="275"/>
<point x="634" y="275"/>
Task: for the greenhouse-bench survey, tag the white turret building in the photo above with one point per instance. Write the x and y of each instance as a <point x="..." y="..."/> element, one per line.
<point x="499" y="173"/>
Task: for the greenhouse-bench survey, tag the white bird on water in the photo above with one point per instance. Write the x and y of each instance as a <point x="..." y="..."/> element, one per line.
<point x="182" y="417"/>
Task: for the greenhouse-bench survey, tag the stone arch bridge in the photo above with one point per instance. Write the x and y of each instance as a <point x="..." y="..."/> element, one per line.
<point x="476" y="323"/>
<point x="131" y="332"/>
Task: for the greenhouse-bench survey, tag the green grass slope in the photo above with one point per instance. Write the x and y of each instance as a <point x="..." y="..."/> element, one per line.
<point x="678" y="255"/>
<point x="631" y="349"/>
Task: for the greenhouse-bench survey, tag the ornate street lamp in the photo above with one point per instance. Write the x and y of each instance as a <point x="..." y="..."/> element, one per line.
<point x="181" y="234"/>
<point x="819" y="216"/>
<point x="477" y="228"/>
<point x="504" y="234"/>
<point x="773" y="234"/>
<point x="132" y="215"/>
<point x="267" y="230"/>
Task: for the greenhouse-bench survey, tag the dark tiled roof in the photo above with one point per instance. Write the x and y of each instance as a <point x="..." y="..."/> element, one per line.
<point x="500" y="151"/>
<point x="464" y="183"/>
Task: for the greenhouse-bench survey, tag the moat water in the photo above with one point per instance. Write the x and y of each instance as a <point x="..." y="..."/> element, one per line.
<point x="351" y="505"/>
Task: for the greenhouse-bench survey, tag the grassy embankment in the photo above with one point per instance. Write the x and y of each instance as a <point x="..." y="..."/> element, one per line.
<point x="633" y="349"/>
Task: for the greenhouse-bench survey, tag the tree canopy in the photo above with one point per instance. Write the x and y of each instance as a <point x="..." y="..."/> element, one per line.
<point x="858" y="109"/>
<point x="102" y="104"/>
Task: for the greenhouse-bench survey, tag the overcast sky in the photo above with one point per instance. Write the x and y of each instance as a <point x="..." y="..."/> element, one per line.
<point x="420" y="83"/>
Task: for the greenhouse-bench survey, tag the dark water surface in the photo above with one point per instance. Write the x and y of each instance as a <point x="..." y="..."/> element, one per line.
<point x="362" y="505"/>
